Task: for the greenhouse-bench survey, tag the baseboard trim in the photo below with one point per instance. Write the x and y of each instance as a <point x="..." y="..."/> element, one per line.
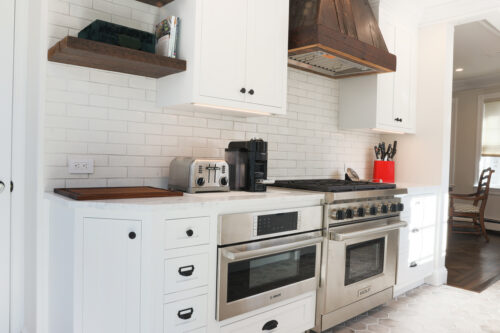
<point x="438" y="277"/>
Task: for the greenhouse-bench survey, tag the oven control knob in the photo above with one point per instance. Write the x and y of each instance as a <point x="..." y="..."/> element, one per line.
<point x="361" y="212"/>
<point x="394" y="208"/>
<point x="349" y="213"/>
<point x="200" y="181"/>
<point x="373" y="210"/>
<point x="340" y="215"/>
<point x="384" y="209"/>
<point x="401" y="207"/>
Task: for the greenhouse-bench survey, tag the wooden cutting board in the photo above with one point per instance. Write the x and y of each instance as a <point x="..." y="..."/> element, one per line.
<point x="104" y="193"/>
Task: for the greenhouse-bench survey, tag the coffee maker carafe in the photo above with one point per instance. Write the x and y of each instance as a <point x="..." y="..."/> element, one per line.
<point x="247" y="165"/>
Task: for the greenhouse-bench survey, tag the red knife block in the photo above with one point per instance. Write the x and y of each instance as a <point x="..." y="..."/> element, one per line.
<point x="383" y="171"/>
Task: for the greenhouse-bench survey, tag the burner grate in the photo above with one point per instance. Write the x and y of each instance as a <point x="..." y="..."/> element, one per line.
<point x="332" y="185"/>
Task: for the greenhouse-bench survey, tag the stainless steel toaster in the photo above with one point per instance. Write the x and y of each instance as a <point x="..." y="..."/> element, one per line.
<point x="195" y="175"/>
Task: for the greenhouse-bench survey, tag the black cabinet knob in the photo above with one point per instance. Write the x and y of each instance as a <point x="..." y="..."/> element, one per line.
<point x="132" y="235"/>
<point x="185" y="314"/>
<point x="186" y="270"/>
<point x="243" y="90"/>
<point x="413" y="264"/>
<point x="270" y="325"/>
<point x="251" y="92"/>
<point x="189" y="232"/>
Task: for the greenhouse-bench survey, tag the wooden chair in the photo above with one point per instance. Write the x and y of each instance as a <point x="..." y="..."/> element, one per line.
<point x="473" y="211"/>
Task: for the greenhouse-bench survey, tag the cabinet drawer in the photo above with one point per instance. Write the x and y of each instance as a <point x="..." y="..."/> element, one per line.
<point x="185" y="273"/>
<point x="186" y="232"/>
<point x="186" y="315"/>
<point x="291" y="318"/>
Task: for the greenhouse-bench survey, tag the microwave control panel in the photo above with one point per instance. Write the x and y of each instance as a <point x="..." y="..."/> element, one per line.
<point x="276" y="223"/>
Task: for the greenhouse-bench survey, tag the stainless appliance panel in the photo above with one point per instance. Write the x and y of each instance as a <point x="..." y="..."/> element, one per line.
<point x="194" y="175"/>
<point x="339" y="292"/>
<point x="237" y="228"/>
<point x="267" y="250"/>
<point x="352" y="310"/>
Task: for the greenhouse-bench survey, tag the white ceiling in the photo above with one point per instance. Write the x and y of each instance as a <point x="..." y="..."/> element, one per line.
<point x="477" y="51"/>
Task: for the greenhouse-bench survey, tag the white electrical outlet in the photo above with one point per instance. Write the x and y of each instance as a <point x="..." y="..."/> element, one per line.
<point x="81" y="165"/>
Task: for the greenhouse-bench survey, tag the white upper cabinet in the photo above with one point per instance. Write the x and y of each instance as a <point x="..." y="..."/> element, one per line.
<point x="385" y="102"/>
<point x="236" y="52"/>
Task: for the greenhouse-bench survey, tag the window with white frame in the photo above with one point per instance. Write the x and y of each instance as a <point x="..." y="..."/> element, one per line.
<point x="490" y="144"/>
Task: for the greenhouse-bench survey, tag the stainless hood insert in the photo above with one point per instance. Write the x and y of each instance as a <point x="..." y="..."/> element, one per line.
<point x="337" y="38"/>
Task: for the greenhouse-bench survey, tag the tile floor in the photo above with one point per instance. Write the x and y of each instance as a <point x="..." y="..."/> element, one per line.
<point x="430" y="309"/>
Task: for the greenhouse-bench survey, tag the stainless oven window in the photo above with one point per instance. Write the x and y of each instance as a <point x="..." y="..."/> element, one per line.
<point x="257" y="275"/>
<point x="364" y="260"/>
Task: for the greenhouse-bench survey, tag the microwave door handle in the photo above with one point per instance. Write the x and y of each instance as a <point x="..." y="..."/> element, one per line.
<point x="361" y="233"/>
<point x="234" y="256"/>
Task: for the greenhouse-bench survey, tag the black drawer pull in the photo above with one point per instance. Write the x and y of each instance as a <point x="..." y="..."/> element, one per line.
<point x="185" y="314"/>
<point x="270" y="325"/>
<point x="132" y="235"/>
<point x="189" y="232"/>
<point x="186" y="270"/>
<point x="413" y="264"/>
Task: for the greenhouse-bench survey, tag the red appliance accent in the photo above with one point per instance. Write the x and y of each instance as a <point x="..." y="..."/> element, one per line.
<point x="383" y="171"/>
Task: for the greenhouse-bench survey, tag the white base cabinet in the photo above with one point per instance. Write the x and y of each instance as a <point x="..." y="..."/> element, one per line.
<point x="111" y="276"/>
<point x="295" y="317"/>
<point x="417" y="241"/>
<point x="135" y="269"/>
<point x="236" y="52"/>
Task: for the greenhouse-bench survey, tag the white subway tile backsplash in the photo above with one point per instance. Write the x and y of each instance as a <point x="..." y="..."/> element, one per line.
<point x="109" y="78"/>
<point x="110" y="7"/>
<point x="107" y="148"/>
<point x="135" y="161"/>
<point x="113" y="118"/>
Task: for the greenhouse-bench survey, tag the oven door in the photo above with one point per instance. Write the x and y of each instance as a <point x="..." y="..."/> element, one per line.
<point x="362" y="261"/>
<point x="257" y="274"/>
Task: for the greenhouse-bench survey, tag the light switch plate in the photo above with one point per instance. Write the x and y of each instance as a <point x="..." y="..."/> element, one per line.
<point x="81" y="165"/>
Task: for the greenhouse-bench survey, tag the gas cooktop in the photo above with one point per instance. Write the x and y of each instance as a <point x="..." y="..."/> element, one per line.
<point x="332" y="185"/>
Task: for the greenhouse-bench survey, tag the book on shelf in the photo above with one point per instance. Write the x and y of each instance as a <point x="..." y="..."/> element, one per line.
<point x="167" y="37"/>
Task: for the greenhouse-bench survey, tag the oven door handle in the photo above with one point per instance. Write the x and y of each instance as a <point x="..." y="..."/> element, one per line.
<point x="234" y="256"/>
<point x="356" y="234"/>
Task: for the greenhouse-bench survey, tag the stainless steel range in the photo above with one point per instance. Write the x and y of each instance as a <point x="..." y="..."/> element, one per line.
<point x="360" y="247"/>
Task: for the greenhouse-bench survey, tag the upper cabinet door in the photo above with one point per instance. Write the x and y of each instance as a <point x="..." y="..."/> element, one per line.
<point x="111" y="276"/>
<point x="223" y="49"/>
<point x="385" y="91"/>
<point x="267" y="48"/>
<point x="403" y="76"/>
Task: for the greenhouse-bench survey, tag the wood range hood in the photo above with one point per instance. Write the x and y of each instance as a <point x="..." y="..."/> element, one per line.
<point x="337" y="38"/>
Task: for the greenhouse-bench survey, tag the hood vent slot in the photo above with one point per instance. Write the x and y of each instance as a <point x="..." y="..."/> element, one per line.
<point x="337" y="38"/>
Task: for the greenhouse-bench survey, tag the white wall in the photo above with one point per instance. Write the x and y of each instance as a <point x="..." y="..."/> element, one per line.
<point x="113" y="118"/>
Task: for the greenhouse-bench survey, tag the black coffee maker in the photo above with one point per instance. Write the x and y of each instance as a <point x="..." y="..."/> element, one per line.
<point x="247" y="165"/>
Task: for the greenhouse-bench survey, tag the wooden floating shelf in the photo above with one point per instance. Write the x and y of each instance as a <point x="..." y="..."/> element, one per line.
<point x="88" y="53"/>
<point x="158" y="3"/>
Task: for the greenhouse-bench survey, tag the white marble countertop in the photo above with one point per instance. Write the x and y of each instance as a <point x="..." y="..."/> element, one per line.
<point x="199" y="199"/>
<point x="419" y="188"/>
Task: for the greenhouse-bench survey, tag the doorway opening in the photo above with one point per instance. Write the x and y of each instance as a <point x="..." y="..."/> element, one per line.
<point x="472" y="262"/>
